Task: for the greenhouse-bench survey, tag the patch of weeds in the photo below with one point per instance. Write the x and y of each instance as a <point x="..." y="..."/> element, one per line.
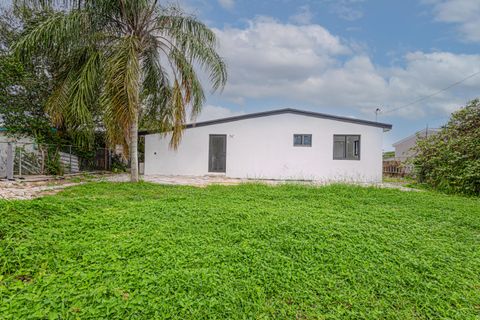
<point x="121" y="250"/>
<point x="398" y="180"/>
<point x="76" y="179"/>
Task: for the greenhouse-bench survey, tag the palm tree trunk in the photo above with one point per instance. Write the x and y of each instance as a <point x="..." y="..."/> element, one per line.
<point x="134" y="176"/>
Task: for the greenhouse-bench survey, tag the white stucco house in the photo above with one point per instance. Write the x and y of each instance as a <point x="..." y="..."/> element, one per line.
<point x="286" y="144"/>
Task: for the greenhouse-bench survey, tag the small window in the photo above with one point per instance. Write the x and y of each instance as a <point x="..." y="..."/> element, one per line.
<point x="346" y="147"/>
<point x="302" y="140"/>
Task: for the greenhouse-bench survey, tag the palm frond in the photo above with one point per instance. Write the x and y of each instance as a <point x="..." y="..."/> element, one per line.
<point x="178" y="115"/>
<point x="72" y="102"/>
<point x="190" y="84"/>
<point x="156" y="93"/>
<point x="58" y="35"/>
<point x="197" y="42"/>
<point x="85" y="88"/>
<point x="121" y="95"/>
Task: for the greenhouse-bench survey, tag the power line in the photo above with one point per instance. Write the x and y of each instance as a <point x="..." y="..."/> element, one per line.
<point x="433" y="94"/>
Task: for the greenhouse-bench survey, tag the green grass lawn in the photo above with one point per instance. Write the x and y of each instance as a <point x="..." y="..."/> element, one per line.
<point x="123" y="251"/>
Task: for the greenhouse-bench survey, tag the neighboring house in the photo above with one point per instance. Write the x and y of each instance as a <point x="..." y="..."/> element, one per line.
<point x="404" y="148"/>
<point x="398" y="164"/>
<point x="286" y="144"/>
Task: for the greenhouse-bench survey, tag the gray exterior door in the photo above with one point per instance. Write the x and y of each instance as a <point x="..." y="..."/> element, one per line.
<point x="217" y="155"/>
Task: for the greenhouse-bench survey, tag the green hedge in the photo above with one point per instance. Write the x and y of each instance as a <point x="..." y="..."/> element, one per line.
<point x="450" y="160"/>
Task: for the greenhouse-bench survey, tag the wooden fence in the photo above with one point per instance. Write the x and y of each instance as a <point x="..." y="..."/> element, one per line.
<point x="395" y="168"/>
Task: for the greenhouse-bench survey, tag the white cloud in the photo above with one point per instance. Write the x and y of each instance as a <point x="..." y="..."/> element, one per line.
<point x="308" y="65"/>
<point x="303" y="16"/>
<point x="281" y="51"/>
<point x="346" y="9"/>
<point x="210" y="112"/>
<point x="464" y="13"/>
<point x="227" y="4"/>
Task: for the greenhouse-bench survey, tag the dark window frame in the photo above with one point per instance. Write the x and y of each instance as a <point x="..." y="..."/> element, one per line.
<point x="357" y="145"/>
<point x="303" y="135"/>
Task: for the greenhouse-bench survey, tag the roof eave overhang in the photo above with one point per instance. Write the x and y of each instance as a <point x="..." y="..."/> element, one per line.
<point x="384" y="126"/>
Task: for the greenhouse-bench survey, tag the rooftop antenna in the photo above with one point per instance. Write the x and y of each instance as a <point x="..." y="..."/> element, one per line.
<point x="377" y="111"/>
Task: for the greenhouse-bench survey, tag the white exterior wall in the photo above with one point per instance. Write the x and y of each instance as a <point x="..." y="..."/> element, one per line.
<point x="262" y="148"/>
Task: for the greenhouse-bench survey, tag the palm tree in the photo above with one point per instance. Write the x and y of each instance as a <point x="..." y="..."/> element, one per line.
<point x="130" y="60"/>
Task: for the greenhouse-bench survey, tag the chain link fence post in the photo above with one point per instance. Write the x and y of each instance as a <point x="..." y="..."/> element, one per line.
<point x="20" y="163"/>
<point x="10" y="160"/>
<point x="70" y="158"/>
<point x="42" y="159"/>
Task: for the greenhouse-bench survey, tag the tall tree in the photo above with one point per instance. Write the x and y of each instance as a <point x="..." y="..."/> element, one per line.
<point x="25" y="87"/>
<point x="128" y="59"/>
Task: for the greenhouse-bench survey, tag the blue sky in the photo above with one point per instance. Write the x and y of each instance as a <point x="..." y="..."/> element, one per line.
<point x="345" y="57"/>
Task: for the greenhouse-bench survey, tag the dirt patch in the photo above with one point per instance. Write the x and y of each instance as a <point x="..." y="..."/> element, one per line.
<point x="28" y="190"/>
<point x="36" y="187"/>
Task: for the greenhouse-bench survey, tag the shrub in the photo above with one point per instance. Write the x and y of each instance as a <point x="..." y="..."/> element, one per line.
<point x="118" y="164"/>
<point x="450" y="160"/>
<point x="53" y="165"/>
